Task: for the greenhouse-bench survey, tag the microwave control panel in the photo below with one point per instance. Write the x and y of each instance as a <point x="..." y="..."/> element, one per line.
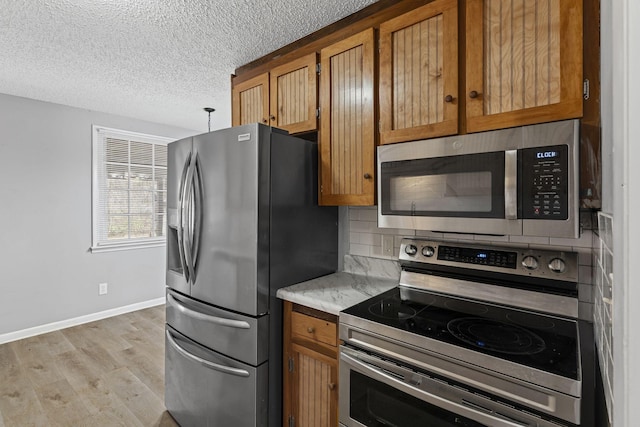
<point x="544" y="182"/>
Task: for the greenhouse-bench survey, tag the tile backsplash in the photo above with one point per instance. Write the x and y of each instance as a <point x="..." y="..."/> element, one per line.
<point x="603" y="305"/>
<point x="365" y="239"/>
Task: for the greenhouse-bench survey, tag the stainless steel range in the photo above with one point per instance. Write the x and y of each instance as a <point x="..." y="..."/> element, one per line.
<point x="472" y="336"/>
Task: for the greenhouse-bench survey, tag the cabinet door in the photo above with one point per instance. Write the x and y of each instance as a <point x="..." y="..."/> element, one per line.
<point x="419" y="73"/>
<point x="250" y="101"/>
<point x="523" y="62"/>
<point x="294" y="95"/>
<point x="315" y="390"/>
<point x="347" y="137"/>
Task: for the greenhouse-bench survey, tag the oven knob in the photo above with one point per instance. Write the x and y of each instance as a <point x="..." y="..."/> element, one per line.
<point x="557" y="265"/>
<point x="529" y="262"/>
<point x="428" y="251"/>
<point x="411" y="250"/>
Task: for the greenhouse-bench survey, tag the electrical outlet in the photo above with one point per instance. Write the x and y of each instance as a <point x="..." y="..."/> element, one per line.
<point x="102" y="289"/>
<point x="387" y="245"/>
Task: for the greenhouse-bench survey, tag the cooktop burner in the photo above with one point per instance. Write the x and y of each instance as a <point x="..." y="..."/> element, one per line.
<point x="391" y="309"/>
<point x="466" y="307"/>
<point x="496" y="336"/>
<point x="531" y="320"/>
<point x="536" y="340"/>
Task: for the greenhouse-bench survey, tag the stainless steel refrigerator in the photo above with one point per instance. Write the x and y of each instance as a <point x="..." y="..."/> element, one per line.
<point x="243" y="221"/>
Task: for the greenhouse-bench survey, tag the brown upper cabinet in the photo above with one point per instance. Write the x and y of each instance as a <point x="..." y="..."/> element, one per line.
<point x="419" y="73"/>
<point x="444" y="67"/>
<point x="250" y="101"/>
<point x="286" y="97"/>
<point x="347" y="134"/>
<point x="523" y="62"/>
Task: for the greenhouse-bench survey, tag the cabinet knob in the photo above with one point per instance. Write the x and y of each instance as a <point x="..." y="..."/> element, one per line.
<point x="448" y="98"/>
<point x="367" y="176"/>
<point x="264" y="121"/>
<point x="331" y="386"/>
<point x="473" y="94"/>
<point x="272" y="117"/>
<point x="311" y="329"/>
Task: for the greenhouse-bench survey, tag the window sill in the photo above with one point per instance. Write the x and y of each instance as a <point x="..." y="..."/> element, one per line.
<point x="127" y="246"/>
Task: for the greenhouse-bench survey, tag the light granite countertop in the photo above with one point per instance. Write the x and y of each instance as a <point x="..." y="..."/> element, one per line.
<point x="361" y="279"/>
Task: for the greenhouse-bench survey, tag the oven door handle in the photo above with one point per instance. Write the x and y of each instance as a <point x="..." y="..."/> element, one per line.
<point x="391" y="379"/>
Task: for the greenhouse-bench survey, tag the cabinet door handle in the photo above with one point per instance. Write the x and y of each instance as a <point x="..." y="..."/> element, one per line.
<point x="264" y="121"/>
<point x="331" y="386"/>
<point x="273" y="118"/>
<point x="473" y="94"/>
<point x="448" y="98"/>
<point x="367" y="176"/>
<point x="311" y="329"/>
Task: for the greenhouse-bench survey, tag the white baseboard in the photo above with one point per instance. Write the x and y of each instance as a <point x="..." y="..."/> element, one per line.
<point x="55" y="326"/>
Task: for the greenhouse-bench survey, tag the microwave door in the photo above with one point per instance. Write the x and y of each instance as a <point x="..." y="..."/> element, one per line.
<point x="469" y="193"/>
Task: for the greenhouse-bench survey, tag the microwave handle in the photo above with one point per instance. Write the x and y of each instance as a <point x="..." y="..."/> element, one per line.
<point x="511" y="184"/>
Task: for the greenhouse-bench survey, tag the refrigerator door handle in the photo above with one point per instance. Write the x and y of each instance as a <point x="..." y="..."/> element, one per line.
<point x="188" y="219"/>
<point x="221" y="368"/>
<point x="238" y="324"/>
<point x="181" y="216"/>
<point x="197" y="219"/>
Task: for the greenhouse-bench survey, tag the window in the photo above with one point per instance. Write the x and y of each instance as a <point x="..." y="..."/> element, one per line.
<point x="129" y="189"/>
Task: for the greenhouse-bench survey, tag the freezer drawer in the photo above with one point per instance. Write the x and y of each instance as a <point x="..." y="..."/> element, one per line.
<point x="204" y="388"/>
<point x="238" y="336"/>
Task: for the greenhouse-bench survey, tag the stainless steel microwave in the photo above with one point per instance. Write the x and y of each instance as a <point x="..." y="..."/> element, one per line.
<point x="519" y="181"/>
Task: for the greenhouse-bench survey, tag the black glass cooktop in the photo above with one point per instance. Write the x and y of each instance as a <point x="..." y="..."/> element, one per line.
<point x="536" y="340"/>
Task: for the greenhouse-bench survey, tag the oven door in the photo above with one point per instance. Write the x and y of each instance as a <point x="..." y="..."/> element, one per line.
<point x="376" y="392"/>
<point x="463" y="192"/>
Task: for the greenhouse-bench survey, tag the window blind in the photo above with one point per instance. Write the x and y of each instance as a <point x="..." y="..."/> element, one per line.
<point x="130" y="189"/>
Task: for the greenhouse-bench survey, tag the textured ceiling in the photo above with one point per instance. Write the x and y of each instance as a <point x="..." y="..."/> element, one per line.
<point x="156" y="60"/>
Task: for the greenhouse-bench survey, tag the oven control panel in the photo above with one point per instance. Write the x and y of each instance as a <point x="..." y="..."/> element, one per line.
<point x="557" y="265"/>
<point x="478" y="256"/>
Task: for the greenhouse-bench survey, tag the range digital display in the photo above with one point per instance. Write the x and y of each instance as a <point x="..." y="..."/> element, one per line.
<point x="478" y="256"/>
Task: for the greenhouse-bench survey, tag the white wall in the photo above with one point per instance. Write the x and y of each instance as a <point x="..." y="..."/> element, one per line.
<point x="606" y="100"/>
<point x="625" y="125"/>
<point x="48" y="273"/>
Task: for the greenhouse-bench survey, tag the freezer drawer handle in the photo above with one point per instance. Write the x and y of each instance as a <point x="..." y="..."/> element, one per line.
<point x="238" y="324"/>
<point x="215" y="366"/>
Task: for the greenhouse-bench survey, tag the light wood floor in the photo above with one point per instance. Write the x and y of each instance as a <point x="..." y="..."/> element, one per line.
<point x="104" y="373"/>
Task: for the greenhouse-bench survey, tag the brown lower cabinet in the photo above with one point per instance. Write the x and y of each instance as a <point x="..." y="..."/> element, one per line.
<point x="310" y="367"/>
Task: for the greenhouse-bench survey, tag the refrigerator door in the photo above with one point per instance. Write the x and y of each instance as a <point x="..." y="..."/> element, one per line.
<point x="232" y="261"/>
<point x="205" y="388"/>
<point x="180" y="159"/>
